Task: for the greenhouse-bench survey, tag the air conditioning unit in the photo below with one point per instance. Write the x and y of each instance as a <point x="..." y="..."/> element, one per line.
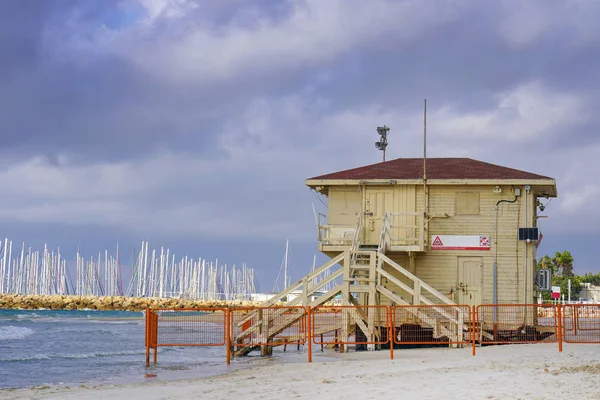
<point x="543" y="279"/>
<point x="529" y="234"/>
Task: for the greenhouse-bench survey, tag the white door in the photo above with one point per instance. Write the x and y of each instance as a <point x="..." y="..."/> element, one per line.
<point x="379" y="201"/>
<point x="469" y="280"/>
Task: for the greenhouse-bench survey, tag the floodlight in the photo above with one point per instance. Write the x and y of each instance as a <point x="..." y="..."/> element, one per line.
<point x="382" y="143"/>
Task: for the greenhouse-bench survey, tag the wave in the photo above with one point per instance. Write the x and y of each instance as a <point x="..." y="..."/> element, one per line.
<point x="28" y="316"/>
<point x="38" y="357"/>
<point x="89" y="331"/>
<point x="116" y="322"/>
<point x="70" y="314"/>
<point x="14" y="332"/>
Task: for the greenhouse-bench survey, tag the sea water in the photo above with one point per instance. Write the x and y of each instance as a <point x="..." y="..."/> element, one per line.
<point x="60" y="347"/>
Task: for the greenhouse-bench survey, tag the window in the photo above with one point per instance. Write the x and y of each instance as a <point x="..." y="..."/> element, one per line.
<point x="467" y="203"/>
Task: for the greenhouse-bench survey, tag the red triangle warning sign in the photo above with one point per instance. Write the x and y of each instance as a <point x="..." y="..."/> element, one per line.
<point x="437" y="242"/>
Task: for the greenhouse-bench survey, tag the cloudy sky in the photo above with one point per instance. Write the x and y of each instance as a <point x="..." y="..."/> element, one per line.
<point x="193" y="124"/>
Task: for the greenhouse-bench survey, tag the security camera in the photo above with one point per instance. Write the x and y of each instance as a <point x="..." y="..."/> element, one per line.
<point x="380" y="145"/>
<point x="382" y="130"/>
<point x="542" y="207"/>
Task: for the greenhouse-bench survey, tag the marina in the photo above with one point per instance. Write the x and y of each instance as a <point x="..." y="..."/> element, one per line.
<point x="153" y="273"/>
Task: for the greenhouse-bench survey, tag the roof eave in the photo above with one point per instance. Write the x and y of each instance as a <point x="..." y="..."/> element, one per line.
<point x="548" y="183"/>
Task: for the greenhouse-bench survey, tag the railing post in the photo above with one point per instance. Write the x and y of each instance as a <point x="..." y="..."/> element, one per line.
<point x="309" y="332"/>
<point x="391" y="331"/>
<point x="560" y="327"/>
<point x="228" y="335"/>
<point x="423" y="216"/>
<point x="416" y="292"/>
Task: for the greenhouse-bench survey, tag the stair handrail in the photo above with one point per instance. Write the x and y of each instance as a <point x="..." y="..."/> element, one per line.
<point x="384" y="239"/>
<point x="413" y="277"/>
<point x="298" y="284"/>
<point x="355" y="241"/>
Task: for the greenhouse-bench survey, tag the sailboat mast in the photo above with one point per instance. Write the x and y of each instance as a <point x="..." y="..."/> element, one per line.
<point x="285" y="264"/>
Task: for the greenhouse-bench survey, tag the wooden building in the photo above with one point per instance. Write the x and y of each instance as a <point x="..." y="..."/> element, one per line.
<point x="440" y="234"/>
<point x="456" y="230"/>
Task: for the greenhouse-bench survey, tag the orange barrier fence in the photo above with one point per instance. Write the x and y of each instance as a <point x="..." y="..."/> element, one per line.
<point x="581" y="323"/>
<point x="186" y="327"/>
<point x="517" y="323"/>
<point x="242" y="330"/>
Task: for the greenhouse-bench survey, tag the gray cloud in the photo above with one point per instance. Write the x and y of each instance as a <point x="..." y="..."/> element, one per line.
<point x="204" y="118"/>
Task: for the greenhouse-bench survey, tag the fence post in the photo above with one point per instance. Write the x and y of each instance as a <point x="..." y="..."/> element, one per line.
<point x="473" y="325"/>
<point x="391" y="330"/>
<point x="309" y="332"/>
<point x="148" y="330"/>
<point x="228" y="335"/>
<point x="155" y="336"/>
<point x="560" y="328"/>
<point x="575" y="314"/>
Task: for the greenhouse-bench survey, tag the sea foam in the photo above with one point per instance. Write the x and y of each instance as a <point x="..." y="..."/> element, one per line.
<point x="14" y="332"/>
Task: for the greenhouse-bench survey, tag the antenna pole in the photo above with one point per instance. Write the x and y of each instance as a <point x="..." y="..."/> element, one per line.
<point x="285" y="266"/>
<point x="424" y="140"/>
<point x="425" y="194"/>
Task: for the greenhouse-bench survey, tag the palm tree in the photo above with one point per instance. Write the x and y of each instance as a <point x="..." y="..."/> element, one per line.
<point x="564" y="263"/>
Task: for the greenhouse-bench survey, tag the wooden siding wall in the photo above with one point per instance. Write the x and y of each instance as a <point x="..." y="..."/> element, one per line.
<point x="439" y="268"/>
<point x="344" y="202"/>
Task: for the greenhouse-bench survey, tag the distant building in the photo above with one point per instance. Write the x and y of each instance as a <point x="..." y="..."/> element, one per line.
<point x="589" y="293"/>
<point x="261" y="296"/>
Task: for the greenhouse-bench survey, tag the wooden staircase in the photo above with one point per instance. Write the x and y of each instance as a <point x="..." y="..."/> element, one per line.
<point x="361" y="269"/>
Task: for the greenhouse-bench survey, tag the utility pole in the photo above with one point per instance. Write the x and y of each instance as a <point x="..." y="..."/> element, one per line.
<point x="425" y="141"/>
<point x="382" y="143"/>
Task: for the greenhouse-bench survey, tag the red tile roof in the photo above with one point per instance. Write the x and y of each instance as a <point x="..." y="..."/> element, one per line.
<point x="437" y="168"/>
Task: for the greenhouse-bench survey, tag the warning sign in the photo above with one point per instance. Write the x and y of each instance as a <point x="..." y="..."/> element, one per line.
<point x="460" y="242"/>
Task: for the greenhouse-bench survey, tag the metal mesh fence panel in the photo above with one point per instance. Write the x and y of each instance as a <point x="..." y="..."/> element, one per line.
<point x="581" y="323"/>
<point x="268" y="326"/>
<point x="517" y="323"/>
<point x="347" y="325"/>
<point x="191" y="327"/>
<point x="432" y="324"/>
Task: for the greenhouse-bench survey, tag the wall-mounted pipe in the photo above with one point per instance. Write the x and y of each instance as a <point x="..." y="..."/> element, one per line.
<point x="495" y="272"/>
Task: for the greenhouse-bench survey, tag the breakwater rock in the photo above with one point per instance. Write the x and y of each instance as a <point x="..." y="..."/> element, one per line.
<point x="59" y="302"/>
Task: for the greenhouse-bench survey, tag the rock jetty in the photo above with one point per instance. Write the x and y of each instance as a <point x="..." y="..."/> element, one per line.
<point x="58" y="302"/>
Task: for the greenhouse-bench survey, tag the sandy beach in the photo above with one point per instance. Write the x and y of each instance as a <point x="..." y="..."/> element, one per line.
<point x="497" y="372"/>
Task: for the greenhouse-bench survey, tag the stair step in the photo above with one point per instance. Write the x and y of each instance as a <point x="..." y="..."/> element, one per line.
<point x="360" y="288"/>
